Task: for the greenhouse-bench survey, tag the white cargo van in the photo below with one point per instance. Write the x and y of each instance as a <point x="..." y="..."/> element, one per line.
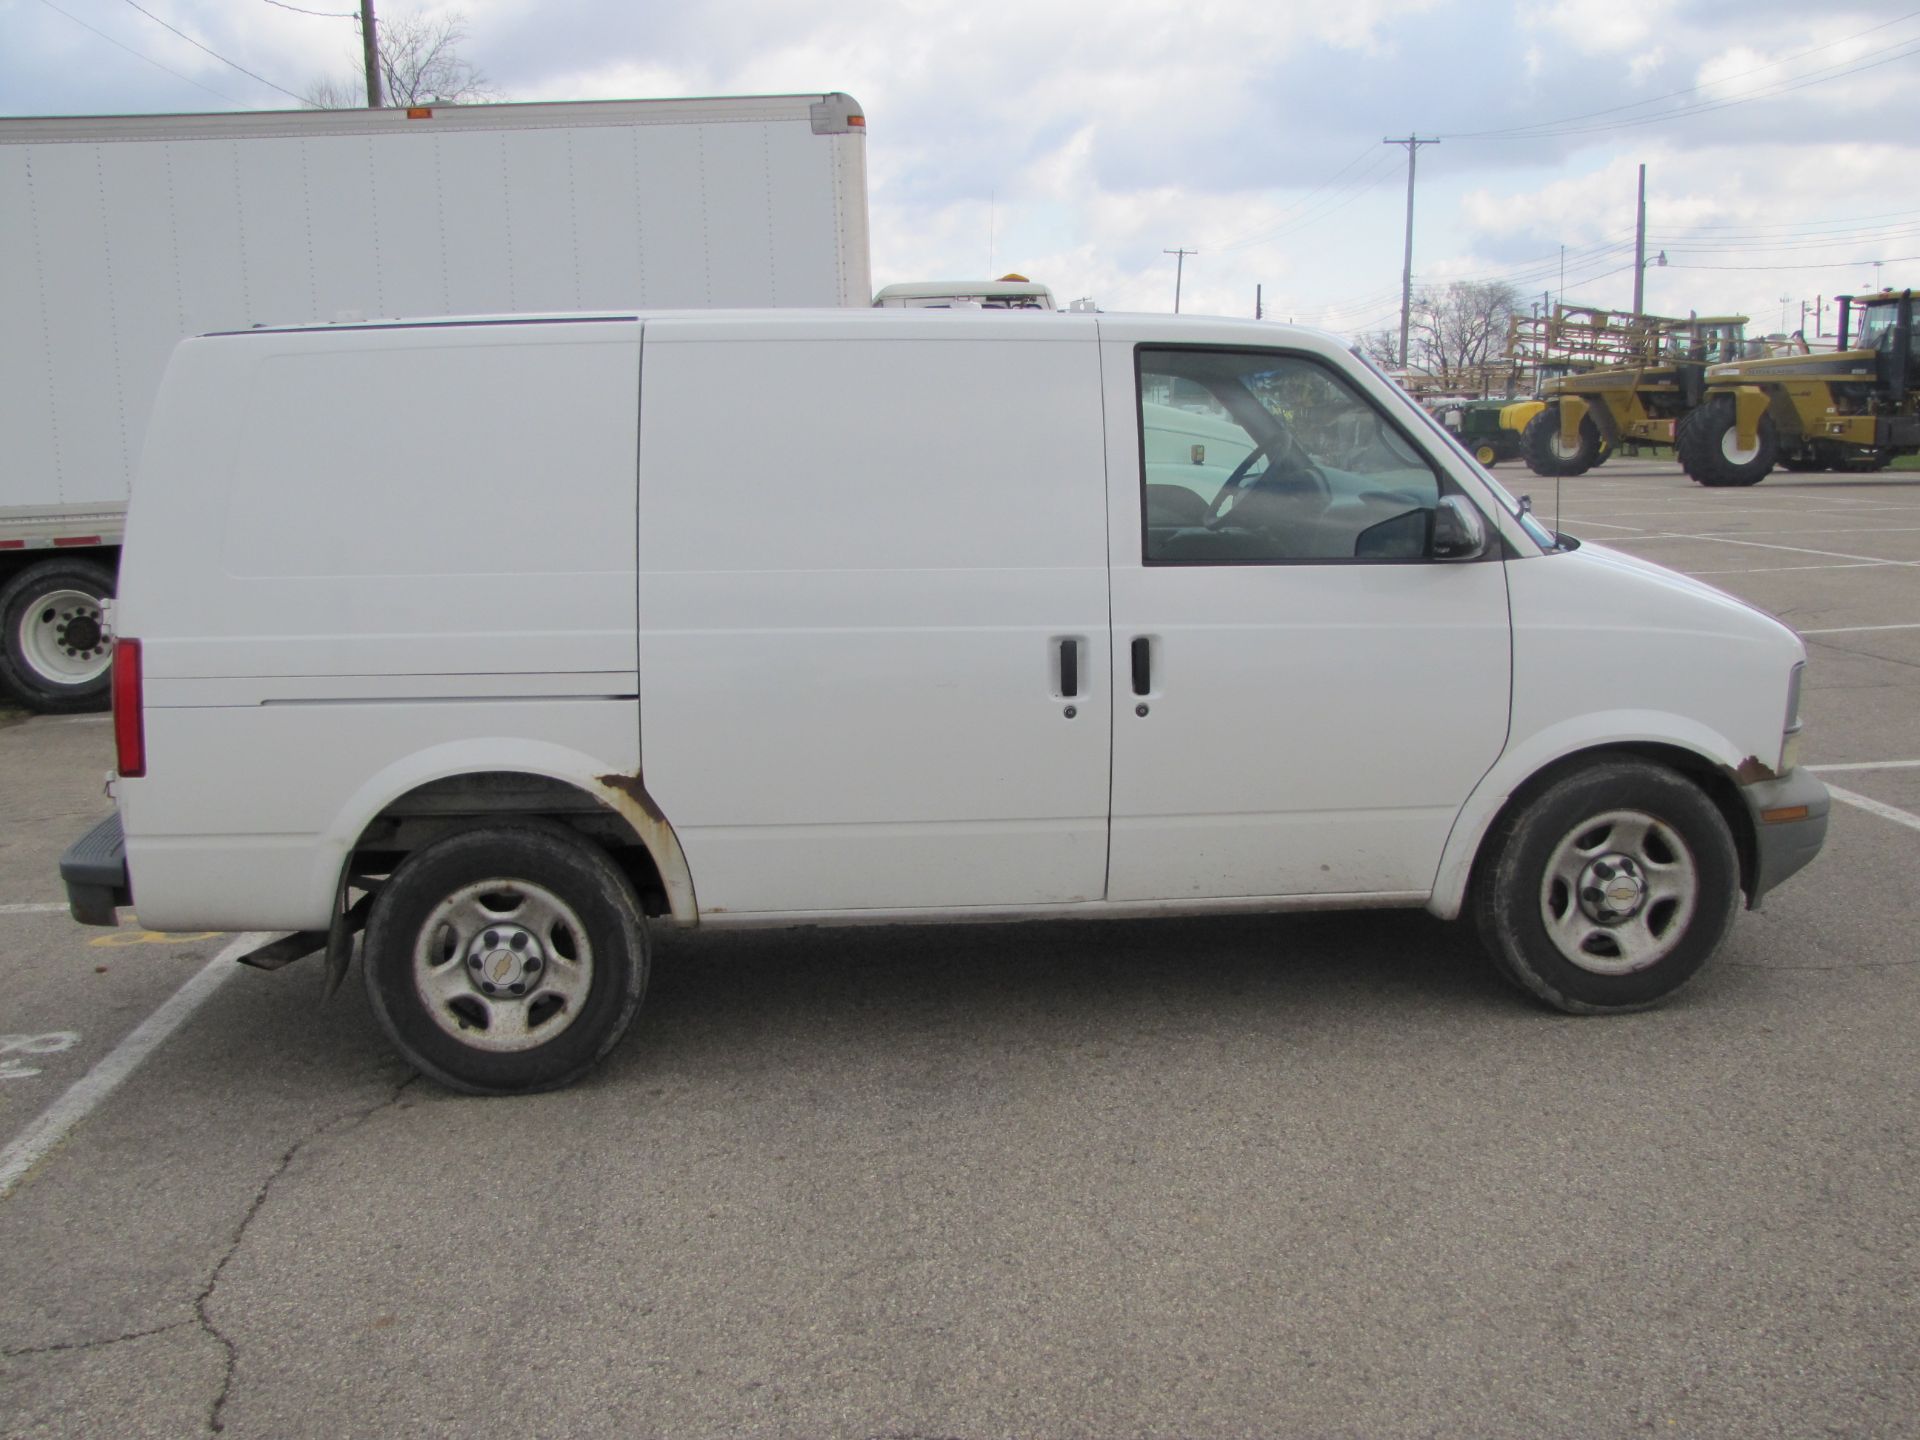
<point x="513" y="637"/>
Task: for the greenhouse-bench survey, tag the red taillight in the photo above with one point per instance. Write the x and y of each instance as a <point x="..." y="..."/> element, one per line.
<point x="129" y="727"/>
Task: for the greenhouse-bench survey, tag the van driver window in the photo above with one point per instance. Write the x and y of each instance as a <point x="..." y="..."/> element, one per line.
<point x="1253" y="458"/>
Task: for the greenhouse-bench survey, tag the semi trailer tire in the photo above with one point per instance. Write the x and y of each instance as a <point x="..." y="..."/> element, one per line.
<point x="56" y="650"/>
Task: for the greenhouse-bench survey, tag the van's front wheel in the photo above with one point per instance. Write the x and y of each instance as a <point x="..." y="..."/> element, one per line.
<point x="1610" y="889"/>
<point x="508" y="960"/>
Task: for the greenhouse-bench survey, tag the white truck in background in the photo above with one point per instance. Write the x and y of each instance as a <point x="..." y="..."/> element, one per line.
<point x="121" y="235"/>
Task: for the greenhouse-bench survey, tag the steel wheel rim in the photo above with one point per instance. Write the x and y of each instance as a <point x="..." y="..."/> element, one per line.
<point x="64" y="637"/>
<point x="1611" y="918"/>
<point x="1731" y="451"/>
<point x="488" y="938"/>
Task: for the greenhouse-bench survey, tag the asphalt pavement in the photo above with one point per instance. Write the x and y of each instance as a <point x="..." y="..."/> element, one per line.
<point x="1313" y="1175"/>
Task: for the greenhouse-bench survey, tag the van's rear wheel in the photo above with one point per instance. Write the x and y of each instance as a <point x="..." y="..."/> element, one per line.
<point x="1610" y="889"/>
<point x="508" y="960"/>
<point x="56" y="649"/>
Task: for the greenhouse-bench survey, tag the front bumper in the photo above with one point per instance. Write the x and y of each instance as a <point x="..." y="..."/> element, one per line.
<point x="95" y="872"/>
<point x="1784" y="844"/>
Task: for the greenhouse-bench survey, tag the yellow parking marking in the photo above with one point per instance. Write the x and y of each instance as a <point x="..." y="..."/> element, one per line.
<point x="119" y="939"/>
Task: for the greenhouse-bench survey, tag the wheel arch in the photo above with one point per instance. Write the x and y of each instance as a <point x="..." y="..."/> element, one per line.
<point x="1483" y="818"/>
<point x="465" y="786"/>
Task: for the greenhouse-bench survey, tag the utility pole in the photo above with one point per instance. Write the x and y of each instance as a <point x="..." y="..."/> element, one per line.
<point x="371" y="49"/>
<point x="1179" y="269"/>
<point x="1413" y="144"/>
<point x="1640" y="251"/>
<point x="1258" y="312"/>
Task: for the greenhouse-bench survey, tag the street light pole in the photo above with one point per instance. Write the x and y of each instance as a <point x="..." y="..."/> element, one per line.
<point x="1640" y="250"/>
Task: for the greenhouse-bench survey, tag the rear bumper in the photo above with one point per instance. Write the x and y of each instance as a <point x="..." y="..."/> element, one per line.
<point x="94" y="870"/>
<point x="1783" y="846"/>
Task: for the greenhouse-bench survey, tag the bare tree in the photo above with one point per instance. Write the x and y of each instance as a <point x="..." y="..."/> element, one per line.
<point x="1457" y="333"/>
<point x="420" y="64"/>
<point x="1382" y="347"/>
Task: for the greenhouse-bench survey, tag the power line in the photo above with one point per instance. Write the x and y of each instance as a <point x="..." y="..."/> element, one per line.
<point x="1280" y="220"/>
<point x="1818" y="77"/>
<point x="323" y="14"/>
<point x="1798" y="225"/>
<point x="1547" y="128"/>
<point x="140" y="55"/>
<point x="1331" y="205"/>
<point x="215" y="53"/>
<point x="1811" y="264"/>
<point x="1687" y="112"/>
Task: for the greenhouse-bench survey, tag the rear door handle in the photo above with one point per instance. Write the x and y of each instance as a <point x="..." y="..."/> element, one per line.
<point x="1069" y="669"/>
<point x="1142" y="665"/>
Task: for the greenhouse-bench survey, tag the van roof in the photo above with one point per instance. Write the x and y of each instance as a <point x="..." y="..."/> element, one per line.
<point x="773" y="325"/>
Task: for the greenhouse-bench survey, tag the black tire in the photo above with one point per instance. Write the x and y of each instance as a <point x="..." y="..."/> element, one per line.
<point x="452" y="913"/>
<point x="1540" y="445"/>
<point x="1863" y="462"/>
<point x="1707" y="446"/>
<point x="42" y="609"/>
<point x="1553" y="942"/>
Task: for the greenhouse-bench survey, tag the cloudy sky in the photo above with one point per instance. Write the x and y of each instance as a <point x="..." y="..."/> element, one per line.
<point x="1077" y="140"/>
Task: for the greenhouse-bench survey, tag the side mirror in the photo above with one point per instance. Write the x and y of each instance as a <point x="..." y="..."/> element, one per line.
<point x="1458" y="531"/>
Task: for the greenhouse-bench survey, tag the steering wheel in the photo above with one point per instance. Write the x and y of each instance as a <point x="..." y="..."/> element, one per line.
<point x="1300" y="469"/>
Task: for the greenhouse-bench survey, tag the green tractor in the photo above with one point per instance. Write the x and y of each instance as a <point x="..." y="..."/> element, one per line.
<point x="1478" y="426"/>
<point x="1852" y="409"/>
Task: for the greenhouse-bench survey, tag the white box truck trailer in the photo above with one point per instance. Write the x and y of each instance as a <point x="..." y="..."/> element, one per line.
<point x="120" y="235"/>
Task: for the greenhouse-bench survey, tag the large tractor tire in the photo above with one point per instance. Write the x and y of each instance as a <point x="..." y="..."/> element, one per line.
<point x="1541" y="448"/>
<point x="1710" y="451"/>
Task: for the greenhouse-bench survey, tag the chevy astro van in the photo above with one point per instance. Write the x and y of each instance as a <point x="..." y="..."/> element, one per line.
<point x="511" y="639"/>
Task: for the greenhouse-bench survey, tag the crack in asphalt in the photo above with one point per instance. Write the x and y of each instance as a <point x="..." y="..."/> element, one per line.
<point x="203" y="1317"/>
<point x="64" y="1346"/>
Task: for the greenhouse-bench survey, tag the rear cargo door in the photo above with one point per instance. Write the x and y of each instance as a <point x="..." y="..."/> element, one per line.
<point x="873" y="610"/>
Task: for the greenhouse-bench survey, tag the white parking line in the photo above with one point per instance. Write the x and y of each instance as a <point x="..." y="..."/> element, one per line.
<point x="1868" y="765"/>
<point x="58" y="1120"/>
<point x="1761" y="545"/>
<point x="39" y="909"/>
<point x="1779" y="569"/>
<point x="1858" y="629"/>
<point x="1874" y="807"/>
